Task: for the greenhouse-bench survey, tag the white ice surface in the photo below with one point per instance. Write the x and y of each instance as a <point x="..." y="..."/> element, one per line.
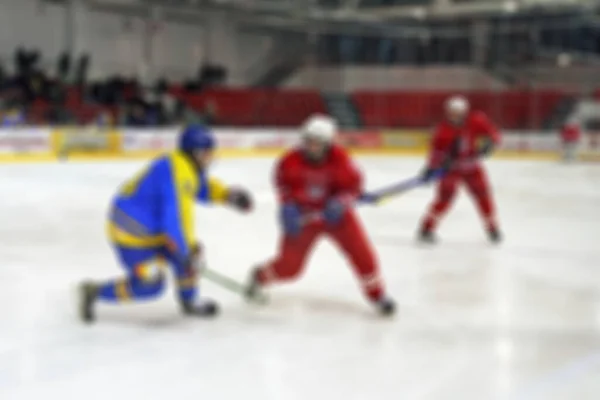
<point x="476" y="322"/>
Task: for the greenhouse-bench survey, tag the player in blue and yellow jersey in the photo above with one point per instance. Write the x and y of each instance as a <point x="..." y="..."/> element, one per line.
<point x="152" y="221"/>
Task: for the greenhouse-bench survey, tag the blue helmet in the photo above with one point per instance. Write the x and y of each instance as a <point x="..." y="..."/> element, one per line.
<point x="196" y="137"/>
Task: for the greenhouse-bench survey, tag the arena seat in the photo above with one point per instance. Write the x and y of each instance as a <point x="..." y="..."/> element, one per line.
<point x="37" y="113"/>
<point x="256" y="107"/>
<point x="399" y="109"/>
<point x="74" y="96"/>
<point x="290" y="108"/>
<point x="515" y="109"/>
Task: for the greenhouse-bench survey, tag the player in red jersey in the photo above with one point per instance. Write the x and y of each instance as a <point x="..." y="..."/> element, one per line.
<point x="458" y="143"/>
<point x="319" y="179"/>
<point x="570" y="135"/>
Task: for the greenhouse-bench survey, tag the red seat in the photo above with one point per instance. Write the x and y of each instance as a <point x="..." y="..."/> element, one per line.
<point x="256" y="107"/>
<point x="74" y="96"/>
<point x="511" y="109"/>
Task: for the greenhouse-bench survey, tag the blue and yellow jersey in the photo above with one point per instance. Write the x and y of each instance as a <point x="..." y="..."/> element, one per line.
<point x="156" y="208"/>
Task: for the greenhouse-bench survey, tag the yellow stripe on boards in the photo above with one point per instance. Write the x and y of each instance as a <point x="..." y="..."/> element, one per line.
<point x="269" y="153"/>
<point x="27" y="158"/>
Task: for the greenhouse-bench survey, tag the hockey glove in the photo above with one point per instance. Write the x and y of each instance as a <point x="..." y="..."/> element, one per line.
<point x="291" y="219"/>
<point x="240" y="199"/>
<point x="486" y="147"/>
<point x="335" y="209"/>
<point x="427" y="174"/>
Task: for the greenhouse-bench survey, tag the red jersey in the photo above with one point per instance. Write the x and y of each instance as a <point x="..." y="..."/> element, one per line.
<point x="311" y="185"/>
<point x="461" y="141"/>
<point x="570" y="133"/>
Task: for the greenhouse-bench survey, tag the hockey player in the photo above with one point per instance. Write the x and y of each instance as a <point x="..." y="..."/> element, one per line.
<point x="459" y="141"/>
<point x="319" y="178"/>
<point x="570" y="135"/>
<point x="152" y="221"/>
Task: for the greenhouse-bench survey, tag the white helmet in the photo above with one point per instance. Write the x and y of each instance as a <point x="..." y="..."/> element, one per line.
<point x="457" y="105"/>
<point x="319" y="127"/>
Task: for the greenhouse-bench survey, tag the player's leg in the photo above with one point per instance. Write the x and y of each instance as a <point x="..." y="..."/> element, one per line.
<point x="144" y="280"/>
<point x="289" y="261"/>
<point x="445" y="194"/>
<point x="187" y="281"/>
<point x="570" y="151"/>
<point x="478" y="186"/>
<point x="352" y="239"/>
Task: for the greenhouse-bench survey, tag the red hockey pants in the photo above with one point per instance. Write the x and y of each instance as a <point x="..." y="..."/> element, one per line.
<point x="477" y="184"/>
<point x="348" y="235"/>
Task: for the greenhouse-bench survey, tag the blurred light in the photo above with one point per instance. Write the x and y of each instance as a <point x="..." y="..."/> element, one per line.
<point x="510" y="6"/>
<point x="563" y="60"/>
<point x="419" y="13"/>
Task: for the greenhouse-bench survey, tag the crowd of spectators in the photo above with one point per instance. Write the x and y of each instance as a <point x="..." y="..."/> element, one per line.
<point x="38" y="94"/>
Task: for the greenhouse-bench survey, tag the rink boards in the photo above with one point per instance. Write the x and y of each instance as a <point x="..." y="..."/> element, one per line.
<point x="92" y="143"/>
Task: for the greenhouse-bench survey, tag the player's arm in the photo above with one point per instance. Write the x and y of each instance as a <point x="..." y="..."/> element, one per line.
<point x="349" y="179"/>
<point x="286" y="180"/>
<point x="290" y="196"/>
<point x="348" y="185"/>
<point x="214" y="191"/>
<point x="441" y="153"/>
<point x="490" y="138"/>
<point x="437" y="149"/>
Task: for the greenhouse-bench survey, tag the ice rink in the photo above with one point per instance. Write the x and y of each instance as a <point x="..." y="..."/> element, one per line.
<point x="476" y="322"/>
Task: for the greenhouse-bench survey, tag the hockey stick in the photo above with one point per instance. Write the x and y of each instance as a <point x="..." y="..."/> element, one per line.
<point x="377" y="196"/>
<point x="396" y="189"/>
<point x="230" y="284"/>
<point x="373" y="198"/>
<point x="225" y="282"/>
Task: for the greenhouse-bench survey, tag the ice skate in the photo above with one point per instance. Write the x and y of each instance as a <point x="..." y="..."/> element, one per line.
<point x="495" y="235"/>
<point x="427" y="236"/>
<point x="206" y="308"/>
<point x="386" y="306"/>
<point x="87" y="298"/>
<point x="253" y="289"/>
